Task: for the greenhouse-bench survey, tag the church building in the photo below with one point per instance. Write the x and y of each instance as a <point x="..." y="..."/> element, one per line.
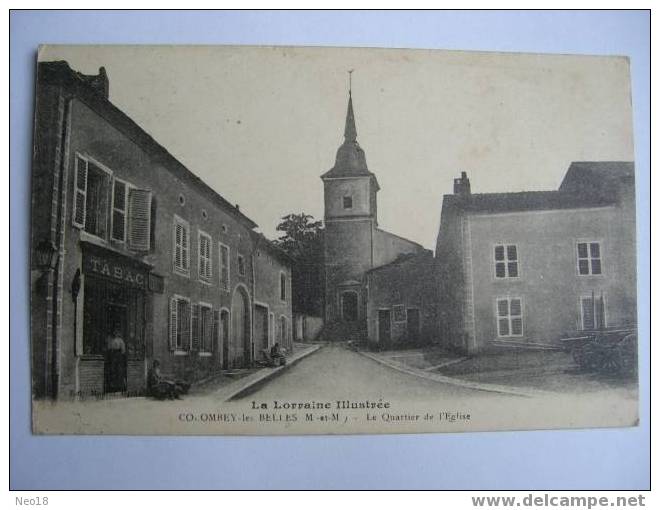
<point x="354" y="244"/>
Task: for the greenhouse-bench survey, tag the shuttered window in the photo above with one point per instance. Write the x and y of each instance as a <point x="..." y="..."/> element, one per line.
<point x="139" y="225"/>
<point x="592" y="310"/>
<point x="195" y="328"/>
<point x="181" y="236"/>
<point x="80" y="194"/>
<point x="180" y="327"/>
<point x="589" y="258"/>
<point x="204" y="252"/>
<point x="224" y="266"/>
<point x="91" y="197"/>
<point x="509" y="317"/>
<point x="119" y="205"/>
<point x="206" y="328"/>
<point x="506" y="261"/>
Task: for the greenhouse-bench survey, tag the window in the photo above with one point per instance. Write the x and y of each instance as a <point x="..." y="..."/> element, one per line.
<point x="224" y="266"/>
<point x="180" y="318"/>
<point x="506" y="261"/>
<point x="592" y="311"/>
<point x="204" y="252"/>
<point x="181" y="246"/>
<point x="282" y="286"/>
<point x="348" y="202"/>
<point x="205" y="328"/>
<point x="119" y="203"/>
<point x="588" y="258"/>
<point x="509" y="317"/>
<point x="399" y="313"/>
<point x="91" y="197"/>
<point x="241" y="265"/>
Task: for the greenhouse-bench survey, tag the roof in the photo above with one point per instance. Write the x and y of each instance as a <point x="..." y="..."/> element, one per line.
<point x="602" y="178"/>
<point x="350" y="160"/>
<point x="585" y="185"/>
<point x="420" y="257"/>
<point x="521" y="201"/>
<point x="93" y="92"/>
<point x="263" y="242"/>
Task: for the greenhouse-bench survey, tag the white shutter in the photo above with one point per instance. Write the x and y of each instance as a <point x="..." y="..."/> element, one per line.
<point x="173" y="323"/>
<point x="80" y="193"/>
<point x="178" y="229"/>
<point x="139" y="207"/>
<point x="184" y="248"/>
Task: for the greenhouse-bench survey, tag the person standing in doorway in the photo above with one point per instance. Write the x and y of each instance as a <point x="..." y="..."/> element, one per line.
<point x="115" y="362"/>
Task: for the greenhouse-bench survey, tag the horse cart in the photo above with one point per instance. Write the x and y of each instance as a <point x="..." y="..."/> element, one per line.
<point x="610" y="351"/>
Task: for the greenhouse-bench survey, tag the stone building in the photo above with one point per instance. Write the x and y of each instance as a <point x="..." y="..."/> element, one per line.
<point x="142" y="246"/>
<point x="527" y="268"/>
<point x="403" y="301"/>
<point x="354" y="244"/>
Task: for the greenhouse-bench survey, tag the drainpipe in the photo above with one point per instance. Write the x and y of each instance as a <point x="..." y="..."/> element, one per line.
<point x="59" y="244"/>
<point x="254" y="296"/>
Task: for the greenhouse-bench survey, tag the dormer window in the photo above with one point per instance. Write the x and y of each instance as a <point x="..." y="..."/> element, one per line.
<point x="348" y="202"/>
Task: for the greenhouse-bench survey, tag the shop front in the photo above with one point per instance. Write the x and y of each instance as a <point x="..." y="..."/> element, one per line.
<point x="115" y="319"/>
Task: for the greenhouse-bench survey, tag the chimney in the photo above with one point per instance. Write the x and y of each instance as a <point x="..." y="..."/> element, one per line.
<point x="462" y="185"/>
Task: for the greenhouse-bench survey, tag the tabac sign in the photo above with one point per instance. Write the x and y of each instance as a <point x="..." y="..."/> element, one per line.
<point x="115" y="269"/>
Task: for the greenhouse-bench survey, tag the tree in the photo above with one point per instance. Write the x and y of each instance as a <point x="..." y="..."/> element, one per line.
<point x="302" y="240"/>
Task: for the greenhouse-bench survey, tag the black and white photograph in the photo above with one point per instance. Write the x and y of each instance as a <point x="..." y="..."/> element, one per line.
<point x="272" y="240"/>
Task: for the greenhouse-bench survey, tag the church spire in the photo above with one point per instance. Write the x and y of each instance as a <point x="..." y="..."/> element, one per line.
<point x="350" y="133"/>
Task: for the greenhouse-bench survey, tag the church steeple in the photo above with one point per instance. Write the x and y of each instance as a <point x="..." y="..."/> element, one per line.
<point x="350" y="160"/>
<point x="350" y="133"/>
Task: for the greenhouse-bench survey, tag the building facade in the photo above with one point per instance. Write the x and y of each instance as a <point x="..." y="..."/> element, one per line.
<point x="354" y="244"/>
<point x="145" y="250"/>
<point x="528" y="268"/>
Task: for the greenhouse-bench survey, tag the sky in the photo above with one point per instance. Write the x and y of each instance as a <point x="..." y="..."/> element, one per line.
<point x="261" y="124"/>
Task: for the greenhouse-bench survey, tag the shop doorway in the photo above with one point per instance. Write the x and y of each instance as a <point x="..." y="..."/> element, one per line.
<point x="109" y="306"/>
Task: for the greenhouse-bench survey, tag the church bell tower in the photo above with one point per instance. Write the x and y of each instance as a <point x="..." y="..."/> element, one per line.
<point x="350" y="191"/>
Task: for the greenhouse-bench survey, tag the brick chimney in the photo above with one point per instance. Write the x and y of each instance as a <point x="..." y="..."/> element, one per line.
<point x="462" y="185"/>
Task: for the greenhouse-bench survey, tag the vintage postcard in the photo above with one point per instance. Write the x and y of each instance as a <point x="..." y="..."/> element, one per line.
<point x="279" y="240"/>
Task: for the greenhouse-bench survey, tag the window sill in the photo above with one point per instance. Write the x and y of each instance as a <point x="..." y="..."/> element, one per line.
<point x="92" y="238"/>
<point x="205" y="282"/>
<point x="180" y="272"/>
<point x="181" y="353"/>
<point x="204" y="354"/>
